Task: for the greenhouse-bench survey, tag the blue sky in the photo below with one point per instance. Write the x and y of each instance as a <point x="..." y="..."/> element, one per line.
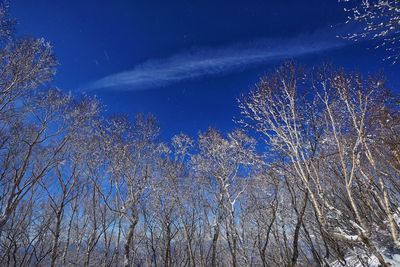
<point x="188" y="61"/>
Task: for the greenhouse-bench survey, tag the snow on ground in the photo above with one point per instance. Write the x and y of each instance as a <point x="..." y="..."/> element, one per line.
<point x="353" y="261"/>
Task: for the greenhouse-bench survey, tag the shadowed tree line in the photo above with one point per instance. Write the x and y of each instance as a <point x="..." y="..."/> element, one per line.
<point x="310" y="176"/>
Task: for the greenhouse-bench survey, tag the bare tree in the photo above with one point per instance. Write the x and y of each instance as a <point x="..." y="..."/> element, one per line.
<point x="131" y="152"/>
<point x="320" y="127"/>
<point x="78" y="188"/>
<point x="221" y="163"/>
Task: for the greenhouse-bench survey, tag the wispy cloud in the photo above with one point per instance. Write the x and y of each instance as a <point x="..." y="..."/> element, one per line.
<point x="199" y="63"/>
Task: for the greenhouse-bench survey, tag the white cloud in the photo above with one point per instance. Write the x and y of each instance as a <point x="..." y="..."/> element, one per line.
<point x="199" y="63"/>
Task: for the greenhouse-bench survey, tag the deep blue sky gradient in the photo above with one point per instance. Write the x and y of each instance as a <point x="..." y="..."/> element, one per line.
<point x="93" y="39"/>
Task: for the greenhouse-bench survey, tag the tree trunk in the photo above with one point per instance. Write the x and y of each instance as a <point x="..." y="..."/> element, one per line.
<point x="214" y="246"/>
<point x="65" y="253"/>
<point x="295" y="254"/>
<point x="128" y="241"/>
<point x="54" y="253"/>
